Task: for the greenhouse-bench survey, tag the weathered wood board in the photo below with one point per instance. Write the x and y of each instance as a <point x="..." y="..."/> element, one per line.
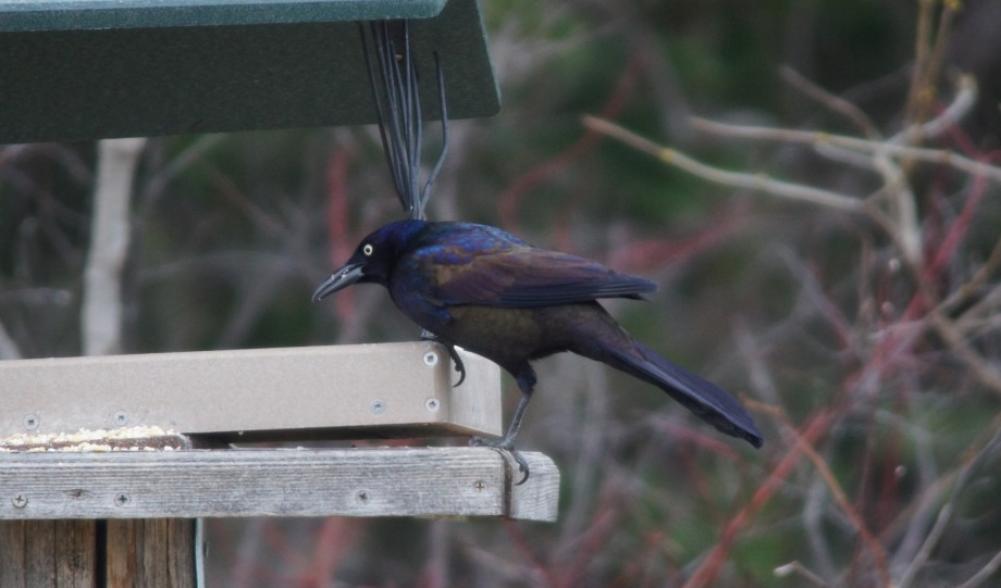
<point x="152" y="553"/>
<point x="444" y="481"/>
<point x="396" y="388"/>
<point x="47" y="553"/>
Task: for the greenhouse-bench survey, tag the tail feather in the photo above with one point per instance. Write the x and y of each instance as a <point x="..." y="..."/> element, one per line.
<point x="709" y="402"/>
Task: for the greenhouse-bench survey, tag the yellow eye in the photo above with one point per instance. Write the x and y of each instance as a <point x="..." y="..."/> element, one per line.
<point x="367" y="249"/>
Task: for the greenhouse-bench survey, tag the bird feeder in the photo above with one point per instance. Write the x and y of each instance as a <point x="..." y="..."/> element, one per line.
<point x="91" y="69"/>
<point x="161" y="424"/>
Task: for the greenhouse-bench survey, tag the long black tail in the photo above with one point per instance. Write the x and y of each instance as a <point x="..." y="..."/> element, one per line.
<point x="705" y="399"/>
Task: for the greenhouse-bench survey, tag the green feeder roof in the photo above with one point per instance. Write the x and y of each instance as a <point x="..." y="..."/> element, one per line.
<point x="91" y="69"/>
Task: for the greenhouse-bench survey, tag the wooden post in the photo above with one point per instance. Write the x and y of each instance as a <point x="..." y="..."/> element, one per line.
<point x="153" y="553"/>
<point x="150" y="552"/>
<point x="73" y="552"/>
<point x="47" y="554"/>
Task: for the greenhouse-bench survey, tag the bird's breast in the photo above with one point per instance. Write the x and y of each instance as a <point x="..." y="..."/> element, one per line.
<point x="505" y="335"/>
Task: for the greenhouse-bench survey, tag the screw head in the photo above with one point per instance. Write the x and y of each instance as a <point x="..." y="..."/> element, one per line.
<point x="19" y="501"/>
<point x="121" y="500"/>
<point x="361" y="496"/>
<point x="31" y="422"/>
<point x="430" y="359"/>
<point x="121" y="418"/>
<point x="378" y="406"/>
<point x="479" y="485"/>
<point x="432" y="404"/>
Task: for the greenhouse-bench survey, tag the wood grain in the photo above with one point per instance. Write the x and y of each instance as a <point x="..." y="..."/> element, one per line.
<point x="76" y="553"/>
<point x="446" y="481"/>
<point x="150" y="553"/>
<point x="13" y="564"/>
<point x="43" y="554"/>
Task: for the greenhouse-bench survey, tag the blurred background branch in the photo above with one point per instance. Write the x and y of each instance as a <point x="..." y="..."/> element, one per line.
<point x="102" y="288"/>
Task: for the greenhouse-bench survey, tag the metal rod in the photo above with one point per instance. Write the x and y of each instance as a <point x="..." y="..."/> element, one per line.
<point x="426" y="192"/>
<point x="395" y="86"/>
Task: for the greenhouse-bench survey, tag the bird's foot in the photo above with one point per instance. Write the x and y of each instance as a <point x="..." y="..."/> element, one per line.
<point x="460" y="367"/>
<point x="507" y="445"/>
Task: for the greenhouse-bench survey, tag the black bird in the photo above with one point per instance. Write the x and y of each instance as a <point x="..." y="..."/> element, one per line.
<point x="488" y="291"/>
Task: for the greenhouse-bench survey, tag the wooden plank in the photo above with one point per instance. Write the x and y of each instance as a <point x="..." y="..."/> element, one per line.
<point x="122" y="552"/>
<point x="76" y="553"/>
<point x="537" y="499"/>
<point x="444" y="481"/>
<point x="152" y="553"/>
<point x="40" y="552"/>
<point x="43" y="554"/>
<point x="180" y="549"/>
<point x="395" y="388"/>
<point x="12" y="553"/>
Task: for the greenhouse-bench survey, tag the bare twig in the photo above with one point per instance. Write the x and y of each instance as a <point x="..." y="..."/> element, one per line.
<point x="814" y="507"/>
<point x="985" y="307"/>
<point x="834" y="103"/>
<point x="102" y="304"/>
<point x="757" y="182"/>
<point x="798" y="569"/>
<point x="158" y="183"/>
<point x="895" y="150"/>
<point x="981" y="367"/>
<point x="941" y="522"/>
<point x="907" y="230"/>
<point x="931" y="56"/>
<point x="962" y="103"/>
<point x="945" y="515"/>
<point x="592" y="442"/>
<point x="509" y="201"/>
<point x="980" y="277"/>
<point x="984" y="573"/>
<point x="873" y="545"/>
<point x="928" y="473"/>
<point x="940" y="486"/>
<point x="707" y="571"/>
<point x="917" y="95"/>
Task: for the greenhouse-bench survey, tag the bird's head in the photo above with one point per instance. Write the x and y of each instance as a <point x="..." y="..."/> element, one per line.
<point x="374" y="258"/>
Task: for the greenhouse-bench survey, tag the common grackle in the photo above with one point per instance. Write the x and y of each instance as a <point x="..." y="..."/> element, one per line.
<point x="488" y="291"/>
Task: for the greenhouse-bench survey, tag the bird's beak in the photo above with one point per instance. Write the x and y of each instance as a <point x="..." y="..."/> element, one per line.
<point x="342" y="278"/>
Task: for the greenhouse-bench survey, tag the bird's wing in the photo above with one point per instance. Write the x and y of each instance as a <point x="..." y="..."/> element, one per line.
<point x="521" y="276"/>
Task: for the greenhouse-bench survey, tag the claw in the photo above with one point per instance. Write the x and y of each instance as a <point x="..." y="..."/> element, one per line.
<point x="459" y="366"/>
<point x="508" y="446"/>
<point x="452" y="353"/>
<point x="522" y="465"/>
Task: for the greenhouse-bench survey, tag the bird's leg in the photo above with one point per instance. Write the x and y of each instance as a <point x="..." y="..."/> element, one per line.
<point x="526" y="382"/>
<point x="460" y="367"/>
